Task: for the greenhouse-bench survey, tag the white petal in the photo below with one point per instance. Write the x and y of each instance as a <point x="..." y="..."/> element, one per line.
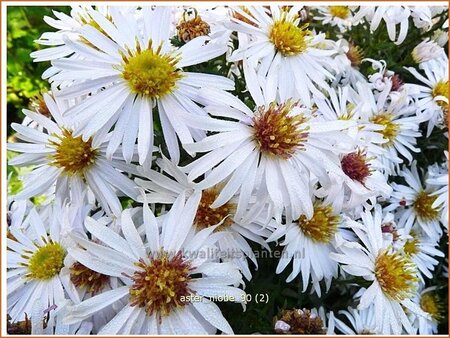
<point x="213" y="315"/>
<point x="119" y="320"/>
<point x="95" y="304"/>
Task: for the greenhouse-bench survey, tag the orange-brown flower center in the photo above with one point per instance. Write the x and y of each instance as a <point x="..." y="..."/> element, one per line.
<point x="355" y="166"/>
<point x="277" y="132"/>
<point x="207" y="216"/>
<point x="161" y="285"/>
<point x="83" y="277"/>
<point x="190" y="29"/>
<point x="302" y="322"/>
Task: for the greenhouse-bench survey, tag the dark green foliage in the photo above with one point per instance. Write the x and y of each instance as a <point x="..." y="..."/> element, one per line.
<point x="25" y="24"/>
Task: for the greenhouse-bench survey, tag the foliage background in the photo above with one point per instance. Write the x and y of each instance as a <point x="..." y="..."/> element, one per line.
<point x="25" y="24"/>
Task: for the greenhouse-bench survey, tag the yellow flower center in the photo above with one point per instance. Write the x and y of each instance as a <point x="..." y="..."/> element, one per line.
<point x="423" y="207"/>
<point x="339" y="11"/>
<point x="396" y="274"/>
<point x="411" y="246"/>
<point x="323" y="224"/>
<point x="288" y="38"/>
<point x="277" y="133"/>
<point x="46" y="262"/>
<point x="150" y="73"/>
<point x="190" y="29"/>
<point x="83" y="277"/>
<point x="441" y="89"/>
<point x="390" y="130"/>
<point x="73" y="154"/>
<point x="207" y="216"/>
<point x="161" y="285"/>
<point x="355" y="54"/>
<point x="431" y="303"/>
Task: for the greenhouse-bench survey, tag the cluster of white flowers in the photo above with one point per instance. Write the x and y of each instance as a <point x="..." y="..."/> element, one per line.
<point x="150" y="164"/>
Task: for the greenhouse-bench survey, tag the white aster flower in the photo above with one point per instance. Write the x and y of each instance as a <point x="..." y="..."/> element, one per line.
<point x="424" y="17"/>
<point x="431" y="303"/>
<point x="277" y="149"/>
<point x="359" y="321"/>
<point x="346" y="104"/>
<point x="308" y="243"/>
<point x="85" y="282"/>
<point x="340" y="16"/>
<point x="347" y="60"/>
<point x="393" y="275"/>
<point x="35" y="258"/>
<point x="414" y="203"/>
<point x="440" y="37"/>
<point x="432" y="96"/>
<point x="363" y="180"/>
<point x="234" y="231"/>
<point x="400" y="126"/>
<point x="421" y="249"/>
<point x="162" y="274"/>
<point x="392" y="16"/>
<point x="140" y="70"/>
<point x="68" y="27"/>
<point x="289" y="56"/>
<point x="192" y="22"/>
<point x="427" y="50"/>
<point x="363" y="177"/>
<point x="438" y="180"/>
<point x="67" y="163"/>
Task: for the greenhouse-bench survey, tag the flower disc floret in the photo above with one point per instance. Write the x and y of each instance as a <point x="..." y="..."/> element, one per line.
<point x="423" y="206"/>
<point x="323" y="224"/>
<point x="278" y="133"/>
<point x="73" y="154"/>
<point x="150" y="73"/>
<point x="46" y="262"/>
<point x="207" y="216"/>
<point x="397" y="275"/>
<point x="161" y="285"/>
<point x="288" y="38"/>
